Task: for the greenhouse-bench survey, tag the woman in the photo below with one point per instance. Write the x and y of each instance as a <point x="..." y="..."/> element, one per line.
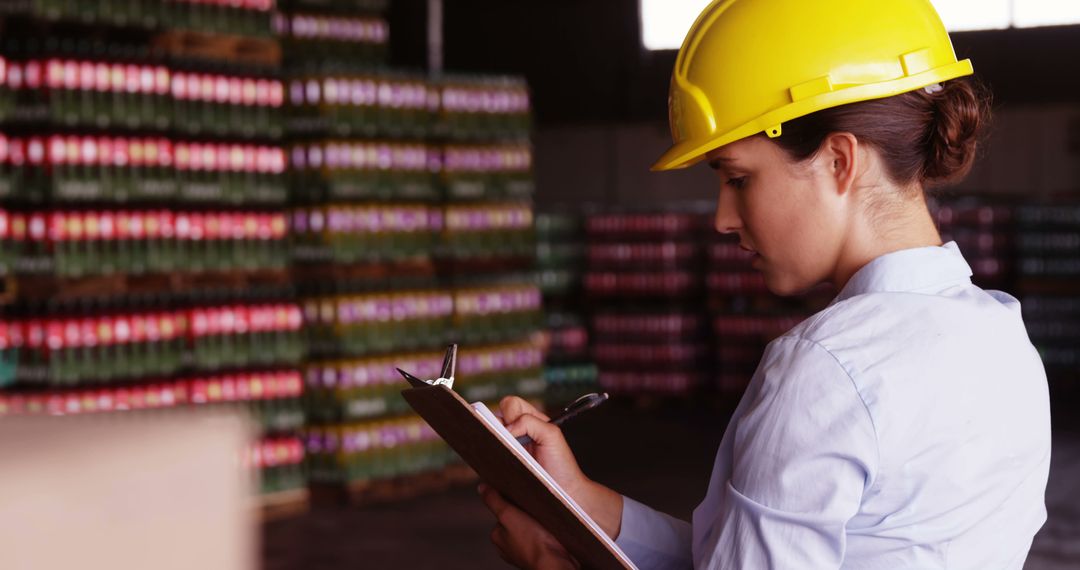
<point x="907" y="424"/>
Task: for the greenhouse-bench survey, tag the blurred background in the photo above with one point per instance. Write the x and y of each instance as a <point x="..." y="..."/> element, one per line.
<point x="262" y="207"/>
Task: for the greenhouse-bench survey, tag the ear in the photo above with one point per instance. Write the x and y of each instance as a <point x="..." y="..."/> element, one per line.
<point x="839" y="157"/>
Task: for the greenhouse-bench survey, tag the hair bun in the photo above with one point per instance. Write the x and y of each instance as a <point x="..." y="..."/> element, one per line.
<point x="961" y="110"/>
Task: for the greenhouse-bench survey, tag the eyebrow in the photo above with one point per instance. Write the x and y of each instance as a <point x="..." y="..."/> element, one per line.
<point x="720" y="162"/>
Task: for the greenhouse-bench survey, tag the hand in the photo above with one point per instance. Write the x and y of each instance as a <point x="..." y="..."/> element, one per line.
<point x="521" y="540"/>
<point x="551" y="451"/>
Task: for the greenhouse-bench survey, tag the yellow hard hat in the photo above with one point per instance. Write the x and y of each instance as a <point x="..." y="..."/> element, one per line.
<point x="747" y="66"/>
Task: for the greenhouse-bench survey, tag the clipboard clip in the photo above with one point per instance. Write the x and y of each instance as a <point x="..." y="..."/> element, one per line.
<point x="446" y="376"/>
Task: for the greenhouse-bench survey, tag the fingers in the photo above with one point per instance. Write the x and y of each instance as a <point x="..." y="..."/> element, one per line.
<point x="539" y="429"/>
<point x="513" y="407"/>
<point x="493" y="500"/>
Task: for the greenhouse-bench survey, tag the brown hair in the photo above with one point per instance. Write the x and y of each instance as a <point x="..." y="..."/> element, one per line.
<point x="924" y="137"/>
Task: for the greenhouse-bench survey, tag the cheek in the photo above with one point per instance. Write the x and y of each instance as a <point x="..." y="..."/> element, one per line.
<point x="794" y="230"/>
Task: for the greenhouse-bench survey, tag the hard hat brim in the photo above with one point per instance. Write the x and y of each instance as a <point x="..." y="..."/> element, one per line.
<point x="690" y="152"/>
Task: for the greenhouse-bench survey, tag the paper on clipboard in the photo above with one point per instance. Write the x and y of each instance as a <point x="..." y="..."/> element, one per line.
<point x="482" y="441"/>
<point x="500" y="430"/>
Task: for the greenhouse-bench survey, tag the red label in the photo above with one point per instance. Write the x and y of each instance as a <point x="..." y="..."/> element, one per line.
<point x="165" y="152"/>
<point x="136" y="153"/>
<point x="221" y="89"/>
<point x="182" y="152"/>
<point x="91" y="227"/>
<point x="168" y="224"/>
<point x="138" y="225"/>
<point x="247" y="92"/>
<point x="179" y="86"/>
<point x="138" y="329"/>
<point x="101" y="79"/>
<point x="116" y="77"/>
<point x="58" y="227"/>
<point x="277" y="94"/>
<point x="236" y="91"/>
<point x="243" y="388"/>
<point x="161" y="81"/>
<point x="199" y="392"/>
<point x="132" y="78"/>
<point x="54" y="74"/>
<point x="228" y="389"/>
<point x="54" y="335"/>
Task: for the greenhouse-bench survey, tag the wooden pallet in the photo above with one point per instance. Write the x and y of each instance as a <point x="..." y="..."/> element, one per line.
<point x="362" y="493"/>
<point x="48" y="287"/>
<point x="189" y="44"/>
<point x="284" y="504"/>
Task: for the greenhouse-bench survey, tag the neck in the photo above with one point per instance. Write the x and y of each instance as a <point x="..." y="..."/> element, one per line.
<point x="907" y="225"/>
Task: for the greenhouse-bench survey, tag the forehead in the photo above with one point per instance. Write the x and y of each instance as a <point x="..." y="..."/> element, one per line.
<point x="740" y="152"/>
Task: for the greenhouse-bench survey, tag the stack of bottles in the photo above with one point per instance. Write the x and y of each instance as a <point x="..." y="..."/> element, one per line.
<point x="75" y="169"/>
<point x="645" y="272"/>
<point x="1048" y="274"/>
<point x="644" y="256"/>
<point x="560" y="252"/>
<point x="380" y="322"/>
<point x="370" y="232"/>
<point x="496" y="313"/>
<point x="370" y="387"/>
<point x="983" y="232"/>
<point x="101" y="94"/>
<point x="744" y="315"/>
<point x="136" y="150"/>
<point x="490" y="172"/>
<point x="217" y="105"/>
<point x="369" y="434"/>
<point x="229" y="17"/>
<point x="235" y="17"/>
<point x="279" y="460"/>
<point x="323" y="43"/>
<point x="273" y="398"/>
<point x="112" y="348"/>
<point x="364" y="105"/>
<point x="485" y="108"/>
<point x="90" y="243"/>
<point x="374" y="450"/>
<point x="489" y="230"/>
<point x="650" y="352"/>
<point x="364" y="170"/>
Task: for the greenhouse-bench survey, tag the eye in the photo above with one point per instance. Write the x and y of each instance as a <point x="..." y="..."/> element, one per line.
<point x="737" y="183"/>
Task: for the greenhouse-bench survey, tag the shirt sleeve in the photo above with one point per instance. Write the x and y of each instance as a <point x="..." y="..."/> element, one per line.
<point x="803" y="453"/>
<point x="653" y="540"/>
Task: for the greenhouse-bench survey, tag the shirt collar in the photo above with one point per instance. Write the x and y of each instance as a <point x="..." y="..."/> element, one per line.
<point x="909" y="270"/>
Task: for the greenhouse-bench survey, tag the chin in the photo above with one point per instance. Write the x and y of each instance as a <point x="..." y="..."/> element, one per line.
<point x="784" y="286"/>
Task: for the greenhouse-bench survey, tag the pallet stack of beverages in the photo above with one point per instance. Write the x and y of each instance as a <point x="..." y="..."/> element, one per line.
<point x="744" y="315"/>
<point x="1048" y="283"/>
<point x="364" y="222"/>
<point x="560" y="254"/>
<point x="647" y="292"/>
<point x="143" y="224"/>
<point x="410" y="198"/>
<point x="489" y="237"/>
<point x="984" y="232"/>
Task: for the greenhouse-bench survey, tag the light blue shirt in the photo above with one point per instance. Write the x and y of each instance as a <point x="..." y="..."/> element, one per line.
<point x="907" y="426"/>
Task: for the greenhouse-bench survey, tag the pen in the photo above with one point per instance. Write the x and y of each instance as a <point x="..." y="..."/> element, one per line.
<point x="582" y="404"/>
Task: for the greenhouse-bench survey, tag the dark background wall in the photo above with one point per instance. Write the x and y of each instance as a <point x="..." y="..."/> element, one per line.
<point x="600" y="98"/>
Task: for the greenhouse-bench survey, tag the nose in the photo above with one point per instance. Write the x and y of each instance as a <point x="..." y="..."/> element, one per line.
<point x="727" y="215"/>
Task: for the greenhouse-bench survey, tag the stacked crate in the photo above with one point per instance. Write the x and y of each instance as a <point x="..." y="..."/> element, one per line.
<point x="411" y="201"/>
<point x="144" y="237"/>
<point x="560" y="255"/>
<point x="1048" y="282"/>
<point x="644" y="284"/>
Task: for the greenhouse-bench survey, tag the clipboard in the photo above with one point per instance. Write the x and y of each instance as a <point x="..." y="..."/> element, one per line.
<point x="521" y="480"/>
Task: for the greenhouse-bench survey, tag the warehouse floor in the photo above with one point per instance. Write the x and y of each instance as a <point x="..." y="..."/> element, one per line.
<point x="660" y="455"/>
